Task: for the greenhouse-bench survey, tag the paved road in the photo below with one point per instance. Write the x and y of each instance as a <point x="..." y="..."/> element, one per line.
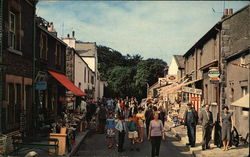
<point x="95" y="146"/>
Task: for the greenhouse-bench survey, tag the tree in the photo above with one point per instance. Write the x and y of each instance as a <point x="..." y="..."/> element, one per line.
<point x="127" y="75"/>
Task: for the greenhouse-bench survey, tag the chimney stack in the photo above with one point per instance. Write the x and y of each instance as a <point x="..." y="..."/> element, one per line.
<point x="73" y="34"/>
<point x="225" y="12"/>
<point x="51" y="29"/>
<point x="231" y="11"/>
<point x="68" y="35"/>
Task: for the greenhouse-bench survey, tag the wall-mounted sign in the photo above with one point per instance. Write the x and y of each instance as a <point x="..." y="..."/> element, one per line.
<point x="192" y="90"/>
<point x="41" y="85"/>
<point x="215" y="80"/>
<point x="213" y="72"/>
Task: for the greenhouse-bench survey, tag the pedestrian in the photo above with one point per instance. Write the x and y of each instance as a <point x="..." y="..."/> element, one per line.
<point x="111" y="131"/>
<point x="206" y="119"/>
<point x="155" y="135"/>
<point x="133" y="109"/>
<point x="102" y="116"/>
<point x="141" y="118"/>
<point x="190" y="121"/>
<point x="133" y="132"/>
<point x="162" y="115"/>
<point x="227" y="126"/>
<point x="149" y="116"/>
<point x="121" y="128"/>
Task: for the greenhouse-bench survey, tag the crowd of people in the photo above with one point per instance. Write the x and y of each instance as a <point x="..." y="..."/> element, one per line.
<point x="119" y="118"/>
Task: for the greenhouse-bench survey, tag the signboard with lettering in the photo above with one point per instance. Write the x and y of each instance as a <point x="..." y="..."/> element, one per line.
<point x="213" y="72"/>
<point x="192" y="90"/>
<point x="41" y="85"/>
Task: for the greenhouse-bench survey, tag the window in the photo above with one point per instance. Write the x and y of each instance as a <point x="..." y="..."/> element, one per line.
<point x="232" y="95"/>
<point x="88" y="76"/>
<point x="92" y="79"/>
<point x="201" y="58"/>
<point x="58" y="54"/>
<point x="14" y="103"/>
<point x="12" y="30"/>
<point x="43" y="46"/>
<point x="215" y="94"/>
<point x="85" y="74"/>
<point x="245" y="111"/>
<point x="244" y="90"/>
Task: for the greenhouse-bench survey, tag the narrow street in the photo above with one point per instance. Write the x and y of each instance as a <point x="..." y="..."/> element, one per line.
<point x="95" y="146"/>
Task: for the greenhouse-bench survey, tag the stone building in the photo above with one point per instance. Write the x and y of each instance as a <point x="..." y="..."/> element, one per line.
<point x="16" y="62"/>
<point x="235" y="59"/>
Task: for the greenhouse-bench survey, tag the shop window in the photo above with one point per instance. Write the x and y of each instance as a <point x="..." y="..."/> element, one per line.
<point x="43" y="46"/>
<point x="244" y="90"/>
<point x="58" y="54"/>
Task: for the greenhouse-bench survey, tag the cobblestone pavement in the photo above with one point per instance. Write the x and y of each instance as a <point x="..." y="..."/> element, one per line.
<point x="95" y="146"/>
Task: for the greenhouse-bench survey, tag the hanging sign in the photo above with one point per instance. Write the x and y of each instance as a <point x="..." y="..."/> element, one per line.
<point x="213" y="72"/>
<point x="42" y="85"/>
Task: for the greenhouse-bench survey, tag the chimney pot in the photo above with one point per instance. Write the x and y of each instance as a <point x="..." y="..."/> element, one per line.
<point x="231" y="11"/>
<point x="73" y="34"/>
<point x="226" y="12"/>
<point x="68" y="35"/>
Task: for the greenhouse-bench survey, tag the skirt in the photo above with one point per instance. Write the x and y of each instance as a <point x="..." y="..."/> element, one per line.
<point x="110" y="133"/>
<point x="132" y="134"/>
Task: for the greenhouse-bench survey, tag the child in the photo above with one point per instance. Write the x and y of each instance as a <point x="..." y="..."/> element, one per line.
<point x="133" y="133"/>
<point x="120" y="126"/>
<point x="111" y="131"/>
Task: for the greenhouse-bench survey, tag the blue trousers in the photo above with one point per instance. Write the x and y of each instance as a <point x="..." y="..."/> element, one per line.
<point x="191" y="131"/>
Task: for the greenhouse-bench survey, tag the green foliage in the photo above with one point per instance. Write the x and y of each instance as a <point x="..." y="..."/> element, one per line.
<point x="127" y="75"/>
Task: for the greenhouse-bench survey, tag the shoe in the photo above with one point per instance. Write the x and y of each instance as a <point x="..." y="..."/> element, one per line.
<point x="192" y="145"/>
<point x="208" y="147"/>
<point x="131" y="149"/>
<point x="203" y="148"/>
<point x="187" y="144"/>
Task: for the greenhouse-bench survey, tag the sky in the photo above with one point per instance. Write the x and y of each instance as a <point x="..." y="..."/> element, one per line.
<point x="153" y="29"/>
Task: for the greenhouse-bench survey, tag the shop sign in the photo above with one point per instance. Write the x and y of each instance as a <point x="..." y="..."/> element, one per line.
<point x="41" y="85"/>
<point x="214" y="72"/>
<point x="215" y="80"/>
<point x="192" y="90"/>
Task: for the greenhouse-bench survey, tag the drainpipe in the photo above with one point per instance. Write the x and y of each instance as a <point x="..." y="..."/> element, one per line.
<point x="219" y="67"/>
<point x="1" y="62"/>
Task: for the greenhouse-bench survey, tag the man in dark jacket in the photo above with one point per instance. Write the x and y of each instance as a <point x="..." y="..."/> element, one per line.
<point x="149" y="115"/>
<point x="102" y="116"/>
<point x="206" y="119"/>
<point x="191" y="120"/>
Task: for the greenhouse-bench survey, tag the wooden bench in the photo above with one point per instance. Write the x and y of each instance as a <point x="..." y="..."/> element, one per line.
<point x="34" y="143"/>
